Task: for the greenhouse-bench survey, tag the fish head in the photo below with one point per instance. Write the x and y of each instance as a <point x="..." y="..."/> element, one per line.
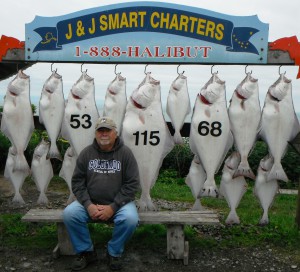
<point x="280" y="89"/>
<point x="179" y="83"/>
<point x="233" y="161"/>
<point x="19" y="84"/>
<point x="53" y="83"/>
<point x="146" y="93"/>
<point x="213" y="91"/>
<point x="117" y="85"/>
<point x="41" y="149"/>
<point x="247" y="88"/>
<point x="266" y="164"/>
<point x="83" y="87"/>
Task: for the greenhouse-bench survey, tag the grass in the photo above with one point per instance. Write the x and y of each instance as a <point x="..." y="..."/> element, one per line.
<point x="281" y="233"/>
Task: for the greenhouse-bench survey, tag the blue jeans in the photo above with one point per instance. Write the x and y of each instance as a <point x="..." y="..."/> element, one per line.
<point x="76" y="217"/>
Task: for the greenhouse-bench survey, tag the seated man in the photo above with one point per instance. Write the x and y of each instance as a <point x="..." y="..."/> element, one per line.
<point x="105" y="182"/>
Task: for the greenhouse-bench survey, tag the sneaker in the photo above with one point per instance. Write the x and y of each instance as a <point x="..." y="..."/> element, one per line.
<point x="84" y="259"/>
<point x="114" y="263"/>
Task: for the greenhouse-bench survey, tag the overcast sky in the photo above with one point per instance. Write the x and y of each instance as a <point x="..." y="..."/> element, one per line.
<point x="283" y="20"/>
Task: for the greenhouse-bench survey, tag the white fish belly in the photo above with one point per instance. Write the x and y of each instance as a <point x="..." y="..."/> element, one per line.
<point x="80" y="125"/>
<point x="210" y="137"/>
<point x="115" y="108"/>
<point x="277" y="127"/>
<point x="18" y="121"/>
<point x="150" y="142"/>
<point x="52" y="112"/>
<point x="244" y="125"/>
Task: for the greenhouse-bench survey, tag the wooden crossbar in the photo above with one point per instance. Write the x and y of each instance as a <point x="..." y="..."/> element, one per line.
<point x="177" y="247"/>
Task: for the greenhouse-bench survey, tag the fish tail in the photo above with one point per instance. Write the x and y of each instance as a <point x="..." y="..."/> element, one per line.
<point x="209" y="189"/>
<point x="21" y="163"/>
<point x="277" y="173"/>
<point x="232" y="218"/>
<point x="197" y="205"/>
<point x="54" y="152"/>
<point x="177" y="138"/>
<point x="43" y="199"/>
<point x="244" y="170"/>
<point x="264" y="219"/>
<point x="18" y="199"/>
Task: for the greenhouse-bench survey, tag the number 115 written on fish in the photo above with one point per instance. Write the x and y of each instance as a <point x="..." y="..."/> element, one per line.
<point x="144" y="52"/>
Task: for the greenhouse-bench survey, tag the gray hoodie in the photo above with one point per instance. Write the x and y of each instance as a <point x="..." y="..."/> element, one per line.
<point x="106" y="177"/>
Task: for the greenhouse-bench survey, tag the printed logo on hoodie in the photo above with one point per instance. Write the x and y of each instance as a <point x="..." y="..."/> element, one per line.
<point x="104" y="166"/>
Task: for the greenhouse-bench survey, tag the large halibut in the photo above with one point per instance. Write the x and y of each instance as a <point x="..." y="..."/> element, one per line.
<point x="17" y="118"/>
<point x="244" y="113"/>
<point x="279" y="124"/>
<point x="51" y="110"/>
<point x="146" y="133"/>
<point x="210" y="135"/>
<point x="116" y="101"/>
<point x="81" y="114"/>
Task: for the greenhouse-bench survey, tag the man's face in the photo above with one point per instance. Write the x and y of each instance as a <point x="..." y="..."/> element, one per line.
<point x="106" y="138"/>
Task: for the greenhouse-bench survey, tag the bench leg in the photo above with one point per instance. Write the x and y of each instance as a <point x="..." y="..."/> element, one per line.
<point x="177" y="248"/>
<point x="64" y="246"/>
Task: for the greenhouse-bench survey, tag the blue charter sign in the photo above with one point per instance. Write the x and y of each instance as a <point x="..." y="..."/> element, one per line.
<point x="147" y="32"/>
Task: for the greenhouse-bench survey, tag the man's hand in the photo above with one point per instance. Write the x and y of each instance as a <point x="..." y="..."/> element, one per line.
<point x="105" y="212"/>
<point x="100" y="212"/>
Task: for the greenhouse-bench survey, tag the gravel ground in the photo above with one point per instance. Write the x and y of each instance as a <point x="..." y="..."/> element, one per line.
<point x="139" y="258"/>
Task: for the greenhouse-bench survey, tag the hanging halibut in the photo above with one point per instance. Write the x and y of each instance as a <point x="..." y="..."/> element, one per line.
<point x="81" y="114"/>
<point x="16" y="177"/>
<point x="232" y="188"/>
<point x="210" y="135"/>
<point x="178" y="105"/>
<point x="145" y="132"/>
<point x="67" y="169"/>
<point x="265" y="190"/>
<point x="17" y="118"/>
<point x="244" y="113"/>
<point x="195" y="180"/>
<point x="116" y="101"/>
<point x="279" y="124"/>
<point x="42" y="171"/>
<point x="51" y="110"/>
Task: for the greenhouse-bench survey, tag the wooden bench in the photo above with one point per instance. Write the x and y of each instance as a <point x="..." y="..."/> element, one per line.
<point x="177" y="247"/>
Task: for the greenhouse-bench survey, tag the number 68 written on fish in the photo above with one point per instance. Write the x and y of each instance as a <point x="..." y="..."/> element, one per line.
<point x="214" y="129"/>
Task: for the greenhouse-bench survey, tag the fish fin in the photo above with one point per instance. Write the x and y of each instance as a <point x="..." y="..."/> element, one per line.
<point x="142" y="117"/>
<point x="277" y="173"/>
<point x="244" y="170"/>
<point x="209" y="189"/>
<point x="43" y="199"/>
<point x="229" y="145"/>
<point x="146" y="204"/>
<point x="177" y="138"/>
<point x="197" y="206"/>
<point x="54" y="152"/>
<point x="264" y="219"/>
<point x="207" y="112"/>
<point x="18" y="199"/>
<point x="21" y="163"/>
<point x="232" y="218"/>
<point x="296" y="129"/>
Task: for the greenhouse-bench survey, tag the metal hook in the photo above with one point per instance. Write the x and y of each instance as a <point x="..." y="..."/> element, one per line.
<point x="279" y="70"/>
<point x="212" y="71"/>
<point x="81" y="68"/>
<point x="116" y="70"/>
<point x="145" y="69"/>
<point x="246" y="70"/>
<point x="178" y="72"/>
<point x="51" y="68"/>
